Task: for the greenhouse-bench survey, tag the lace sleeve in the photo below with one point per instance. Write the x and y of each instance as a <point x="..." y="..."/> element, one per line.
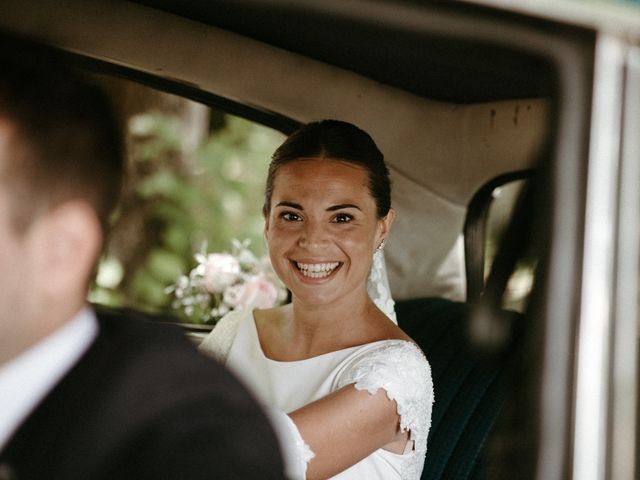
<point x="401" y="369"/>
<point x="218" y="343"/>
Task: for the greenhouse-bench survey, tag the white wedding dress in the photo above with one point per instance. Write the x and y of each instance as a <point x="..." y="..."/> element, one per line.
<point x="396" y="366"/>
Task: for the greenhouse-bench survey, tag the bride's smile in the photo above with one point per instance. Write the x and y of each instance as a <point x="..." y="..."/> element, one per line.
<point x="317" y="270"/>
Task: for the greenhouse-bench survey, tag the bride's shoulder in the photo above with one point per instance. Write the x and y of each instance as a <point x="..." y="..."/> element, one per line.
<point x="385" y="329"/>
<point x="231" y="321"/>
<point x="377" y="363"/>
<point x="219" y="341"/>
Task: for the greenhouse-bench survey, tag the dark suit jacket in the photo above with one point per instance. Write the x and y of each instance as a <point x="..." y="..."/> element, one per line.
<point x="143" y="404"/>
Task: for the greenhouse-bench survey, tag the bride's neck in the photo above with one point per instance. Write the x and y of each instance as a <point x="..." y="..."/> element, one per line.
<point x="330" y="320"/>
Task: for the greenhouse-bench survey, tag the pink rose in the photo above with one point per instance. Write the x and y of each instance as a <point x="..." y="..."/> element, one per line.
<point x="220" y="271"/>
<point x="257" y="292"/>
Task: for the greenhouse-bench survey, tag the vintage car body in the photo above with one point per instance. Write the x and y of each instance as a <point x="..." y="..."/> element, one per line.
<point x="455" y="94"/>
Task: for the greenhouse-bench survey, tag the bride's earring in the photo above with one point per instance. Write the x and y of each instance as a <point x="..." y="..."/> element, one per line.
<point x="380" y="247"/>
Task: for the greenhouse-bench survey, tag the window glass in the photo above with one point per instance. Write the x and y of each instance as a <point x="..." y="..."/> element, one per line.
<point x="503" y="201"/>
<point x="195" y="181"/>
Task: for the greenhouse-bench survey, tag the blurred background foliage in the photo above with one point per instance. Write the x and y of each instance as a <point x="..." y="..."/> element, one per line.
<point x="195" y="176"/>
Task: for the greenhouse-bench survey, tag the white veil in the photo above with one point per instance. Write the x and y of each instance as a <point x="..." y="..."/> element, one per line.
<point x="378" y="286"/>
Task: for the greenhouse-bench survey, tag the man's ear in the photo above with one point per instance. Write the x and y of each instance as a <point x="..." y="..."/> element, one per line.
<point x="71" y="237"/>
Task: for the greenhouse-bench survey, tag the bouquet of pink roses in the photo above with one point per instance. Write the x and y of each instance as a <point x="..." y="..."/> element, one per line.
<point x="221" y="282"/>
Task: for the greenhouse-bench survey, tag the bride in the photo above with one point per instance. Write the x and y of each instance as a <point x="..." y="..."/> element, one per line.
<point x="349" y="392"/>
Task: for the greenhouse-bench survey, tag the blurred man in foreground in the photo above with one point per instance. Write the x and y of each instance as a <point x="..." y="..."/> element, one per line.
<point x="83" y="397"/>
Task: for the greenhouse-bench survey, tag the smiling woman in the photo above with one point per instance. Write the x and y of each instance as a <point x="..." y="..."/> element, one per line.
<point x="328" y="234"/>
<point x="331" y="357"/>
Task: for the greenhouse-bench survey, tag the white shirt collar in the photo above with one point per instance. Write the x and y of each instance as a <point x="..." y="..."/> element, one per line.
<point x="26" y="380"/>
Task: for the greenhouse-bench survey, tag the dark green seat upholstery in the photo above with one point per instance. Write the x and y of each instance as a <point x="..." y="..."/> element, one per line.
<point x="468" y="390"/>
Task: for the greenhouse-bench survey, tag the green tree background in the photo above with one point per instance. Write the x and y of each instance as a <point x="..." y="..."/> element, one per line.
<point x="179" y="197"/>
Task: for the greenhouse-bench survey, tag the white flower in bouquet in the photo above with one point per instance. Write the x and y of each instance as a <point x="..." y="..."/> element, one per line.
<point x="221" y="282"/>
<point x="220" y="271"/>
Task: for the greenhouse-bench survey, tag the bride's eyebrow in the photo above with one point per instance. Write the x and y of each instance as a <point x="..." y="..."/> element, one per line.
<point x="340" y="206"/>
<point x="332" y="208"/>
<point x="297" y="206"/>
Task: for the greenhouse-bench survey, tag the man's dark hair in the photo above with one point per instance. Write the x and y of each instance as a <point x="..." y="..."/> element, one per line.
<point x="64" y="140"/>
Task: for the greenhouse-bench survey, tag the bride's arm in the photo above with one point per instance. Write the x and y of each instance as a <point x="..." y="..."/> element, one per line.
<point x="346" y="426"/>
<point x="383" y="398"/>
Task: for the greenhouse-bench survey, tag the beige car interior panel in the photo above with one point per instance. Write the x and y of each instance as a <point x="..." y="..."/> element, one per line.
<point x="439" y="153"/>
